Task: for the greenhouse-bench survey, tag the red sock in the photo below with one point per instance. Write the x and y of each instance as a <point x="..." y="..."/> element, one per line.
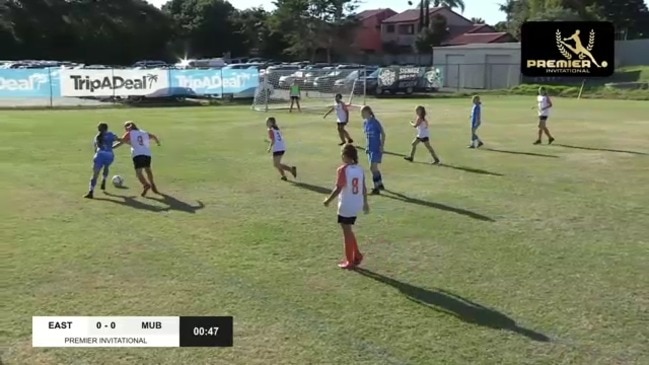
<point x="357" y="252"/>
<point x="349" y="248"/>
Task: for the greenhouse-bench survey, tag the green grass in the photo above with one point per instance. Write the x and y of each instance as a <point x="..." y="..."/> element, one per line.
<point x="471" y="263"/>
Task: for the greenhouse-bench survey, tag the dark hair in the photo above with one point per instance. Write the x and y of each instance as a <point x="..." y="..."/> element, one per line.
<point x="339" y="97"/>
<point x="131" y="126"/>
<point x="273" y="123"/>
<point x="99" y="139"/>
<point x="350" y="152"/>
<point x="368" y="109"/>
<point x="423" y="110"/>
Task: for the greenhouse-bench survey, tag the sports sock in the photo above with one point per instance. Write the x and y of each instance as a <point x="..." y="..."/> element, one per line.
<point x="377" y="179"/>
<point x="93" y="183"/>
<point x="357" y="252"/>
<point x="349" y="248"/>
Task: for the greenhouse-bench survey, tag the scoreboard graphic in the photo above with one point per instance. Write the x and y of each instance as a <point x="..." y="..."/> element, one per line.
<point x="62" y="331"/>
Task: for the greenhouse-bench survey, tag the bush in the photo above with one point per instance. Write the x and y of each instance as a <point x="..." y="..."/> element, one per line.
<point x="588" y="93"/>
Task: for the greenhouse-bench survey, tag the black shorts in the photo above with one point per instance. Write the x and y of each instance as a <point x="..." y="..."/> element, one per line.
<point x="543" y="118"/>
<point x="141" y="162"/>
<point x="346" y="220"/>
<point x="295" y="98"/>
<point x="278" y="153"/>
<point x="341" y="124"/>
<point x="423" y="139"/>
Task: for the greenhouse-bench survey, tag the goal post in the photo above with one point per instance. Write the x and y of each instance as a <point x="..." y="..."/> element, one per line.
<point x="317" y="88"/>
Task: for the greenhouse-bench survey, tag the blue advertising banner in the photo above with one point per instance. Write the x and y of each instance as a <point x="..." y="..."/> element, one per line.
<point x="216" y="83"/>
<point x="30" y="83"/>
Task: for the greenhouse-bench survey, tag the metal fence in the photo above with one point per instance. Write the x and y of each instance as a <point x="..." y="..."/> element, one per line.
<point x="76" y="87"/>
<point x="479" y="76"/>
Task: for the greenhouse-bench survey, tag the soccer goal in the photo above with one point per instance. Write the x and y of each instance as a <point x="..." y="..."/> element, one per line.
<point x="317" y="88"/>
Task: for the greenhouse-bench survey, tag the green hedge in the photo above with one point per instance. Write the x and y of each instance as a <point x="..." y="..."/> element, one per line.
<point x="573" y="92"/>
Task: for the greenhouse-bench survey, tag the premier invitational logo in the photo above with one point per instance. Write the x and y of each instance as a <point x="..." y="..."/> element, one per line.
<point x="92" y="84"/>
<point x="567" y="49"/>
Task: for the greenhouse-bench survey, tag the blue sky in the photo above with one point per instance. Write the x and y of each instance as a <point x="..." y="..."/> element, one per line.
<point x="485" y="9"/>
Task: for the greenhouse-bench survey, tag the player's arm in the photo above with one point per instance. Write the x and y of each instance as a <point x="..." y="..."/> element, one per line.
<point x="126" y="138"/>
<point x="271" y="138"/>
<point x="366" y="206"/>
<point x="382" y="132"/>
<point x="155" y="138"/>
<point x="416" y="123"/>
<point x="549" y="104"/>
<point x="328" y="112"/>
<point x="341" y="181"/>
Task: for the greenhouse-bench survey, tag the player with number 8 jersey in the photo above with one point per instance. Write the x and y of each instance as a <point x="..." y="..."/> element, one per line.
<point x="141" y="154"/>
<point x="352" y="199"/>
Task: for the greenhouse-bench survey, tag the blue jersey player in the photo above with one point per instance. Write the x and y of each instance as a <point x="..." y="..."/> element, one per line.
<point x="375" y="136"/>
<point x="476" y="120"/>
<point x="103" y="157"/>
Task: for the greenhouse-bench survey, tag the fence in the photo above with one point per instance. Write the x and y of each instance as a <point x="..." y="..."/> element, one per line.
<point x="74" y="87"/>
<point x="479" y="76"/>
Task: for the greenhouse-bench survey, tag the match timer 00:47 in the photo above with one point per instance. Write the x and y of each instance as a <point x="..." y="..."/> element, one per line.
<point x="132" y="331"/>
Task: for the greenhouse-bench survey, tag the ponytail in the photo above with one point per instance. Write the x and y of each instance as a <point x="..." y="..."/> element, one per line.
<point x="99" y="139"/>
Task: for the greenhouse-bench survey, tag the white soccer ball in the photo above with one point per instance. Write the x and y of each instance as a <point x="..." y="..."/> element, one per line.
<point x="118" y="181"/>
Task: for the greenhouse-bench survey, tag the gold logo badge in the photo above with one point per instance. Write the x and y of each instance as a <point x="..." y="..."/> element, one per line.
<point x="584" y="62"/>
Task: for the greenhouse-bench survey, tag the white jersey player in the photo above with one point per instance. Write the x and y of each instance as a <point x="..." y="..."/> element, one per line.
<point x="278" y="148"/>
<point x="140" y="142"/>
<point x="342" y="118"/>
<point x="423" y="136"/>
<point x="544" y="104"/>
<point x="352" y="199"/>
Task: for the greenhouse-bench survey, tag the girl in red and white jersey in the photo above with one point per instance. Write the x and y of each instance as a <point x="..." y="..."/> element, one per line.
<point x="141" y="153"/>
<point x="342" y="118"/>
<point x="278" y="148"/>
<point x="352" y="199"/>
<point x="423" y="136"/>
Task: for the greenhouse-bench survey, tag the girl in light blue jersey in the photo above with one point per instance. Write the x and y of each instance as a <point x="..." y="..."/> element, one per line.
<point x="103" y="158"/>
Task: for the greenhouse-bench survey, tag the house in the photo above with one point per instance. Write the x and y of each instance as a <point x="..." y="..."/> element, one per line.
<point x="367" y="38"/>
<point x="400" y="30"/>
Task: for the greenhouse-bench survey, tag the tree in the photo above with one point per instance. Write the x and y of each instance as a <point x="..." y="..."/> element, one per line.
<point x="501" y="26"/>
<point x="432" y="36"/>
<point x="312" y="25"/>
<point x="478" y="21"/>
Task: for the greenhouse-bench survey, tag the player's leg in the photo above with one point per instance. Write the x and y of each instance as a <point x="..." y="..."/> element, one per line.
<point x="546" y="130"/>
<point x="433" y="154"/>
<point x="348" y="137"/>
<point x="285" y="167"/>
<point x="96" y="169"/>
<point x="341" y="133"/>
<point x="104" y="175"/>
<point x="413" y="148"/>
<point x="290" y="108"/>
<point x="277" y="164"/>
<point x="348" y="241"/>
<point x="477" y="138"/>
<point x="297" y="102"/>
<point x="146" y="163"/>
<point x="375" y="159"/>
<point x="139" y="162"/>
<point x="541" y="127"/>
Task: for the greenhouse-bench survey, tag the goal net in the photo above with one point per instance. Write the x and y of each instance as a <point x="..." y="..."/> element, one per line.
<point x="317" y="88"/>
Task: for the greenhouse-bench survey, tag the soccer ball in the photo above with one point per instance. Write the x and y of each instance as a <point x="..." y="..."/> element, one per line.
<point x="118" y="181"/>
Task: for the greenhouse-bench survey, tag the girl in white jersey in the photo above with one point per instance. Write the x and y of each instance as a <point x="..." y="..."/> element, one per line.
<point x="141" y="153"/>
<point x="423" y="136"/>
<point x="352" y="199"/>
<point x="342" y="118"/>
<point x="278" y="148"/>
<point x="543" y="105"/>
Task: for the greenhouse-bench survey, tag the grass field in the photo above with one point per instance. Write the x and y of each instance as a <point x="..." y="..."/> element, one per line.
<point x="515" y="254"/>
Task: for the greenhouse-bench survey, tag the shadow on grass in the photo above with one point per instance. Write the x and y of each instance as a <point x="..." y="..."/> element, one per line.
<point x="470" y="169"/>
<point x="385" y="152"/>
<point x="454" y="305"/>
<point x="440" y="206"/>
<point x="131" y="202"/>
<point x="602" y="149"/>
<point x="311" y="187"/>
<point x="176" y="204"/>
<point x="520" y="153"/>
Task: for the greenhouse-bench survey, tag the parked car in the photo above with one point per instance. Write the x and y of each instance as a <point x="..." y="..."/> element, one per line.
<point x="404" y="79"/>
<point x="273" y="73"/>
<point x="301" y="76"/>
<point x="347" y="83"/>
<point x="326" y="83"/>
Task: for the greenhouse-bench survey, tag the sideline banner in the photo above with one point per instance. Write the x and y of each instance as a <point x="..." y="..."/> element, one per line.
<point x="216" y="83"/>
<point x="112" y="82"/>
<point x="29" y="83"/>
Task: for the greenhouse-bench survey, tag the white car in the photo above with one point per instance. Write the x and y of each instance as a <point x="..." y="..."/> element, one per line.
<point x="286" y="81"/>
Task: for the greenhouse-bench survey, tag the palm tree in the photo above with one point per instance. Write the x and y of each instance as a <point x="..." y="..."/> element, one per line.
<point x="478" y="21"/>
<point x="508" y="8"/>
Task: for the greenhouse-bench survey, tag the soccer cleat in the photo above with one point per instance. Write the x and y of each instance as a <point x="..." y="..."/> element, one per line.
<point x="145" y="190"/>
<point x="470" y="146"/>
<point x="294" y="171"/>
<point x="550" y="140"/>
<point x="381" y="187"/>
<point x="350" y="141"/>
<point x="408" y="158"/>
<point x="103" y="184"/>
<point x="538" y="141"/>
<point x="437" y="162"/>
<point x="284" y="178"/>
<point x="480" y="144"/>
<point x="154" y="189"/>
<point x="346" y="265"/>
<point x="89" y="195"/>
<point x="375" y="191"/>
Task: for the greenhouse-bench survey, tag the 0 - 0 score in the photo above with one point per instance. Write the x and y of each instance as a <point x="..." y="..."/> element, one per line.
<point x="112" y="325"/>
<point x="202" y="331"/>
